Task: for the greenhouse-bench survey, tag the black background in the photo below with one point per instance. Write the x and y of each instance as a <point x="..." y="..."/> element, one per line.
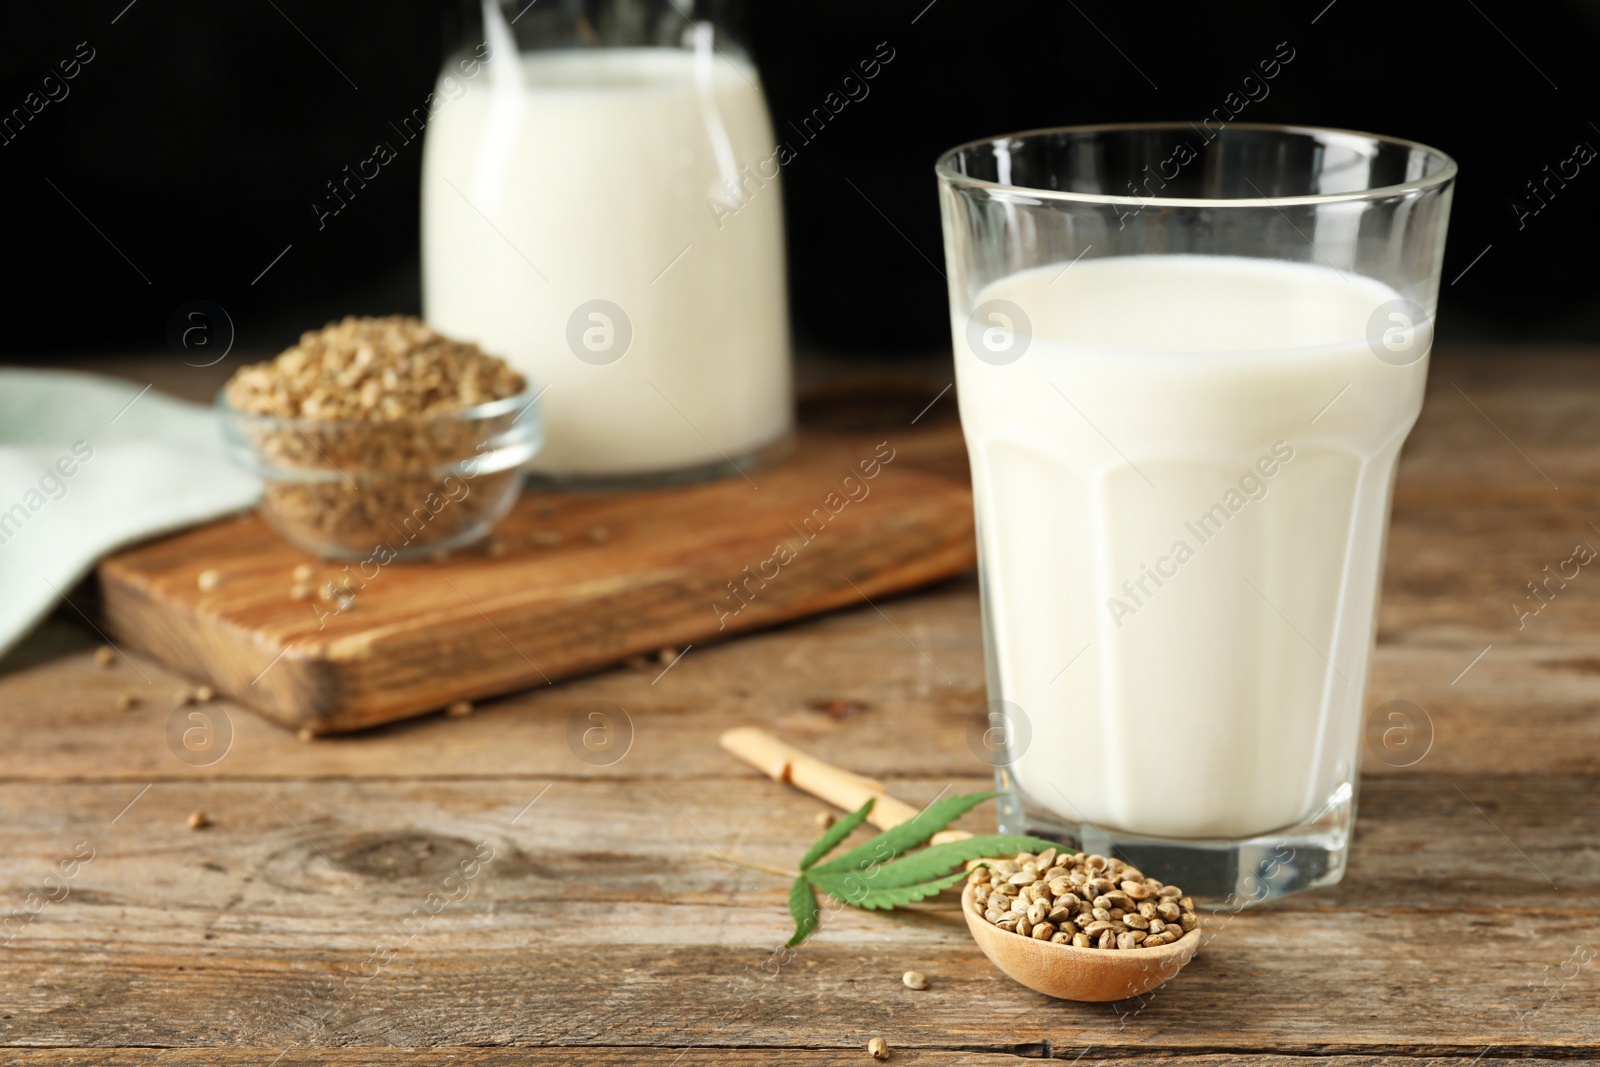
<point x="197" y="137"/>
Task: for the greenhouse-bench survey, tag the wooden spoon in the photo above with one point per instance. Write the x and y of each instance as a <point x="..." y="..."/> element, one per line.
<point x="841" y="788"/>
<point x="1069" y="973"/>
<point x="1088" y="974"/>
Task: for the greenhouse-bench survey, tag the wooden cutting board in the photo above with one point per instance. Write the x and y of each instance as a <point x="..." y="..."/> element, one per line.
<point x="632" y="573"/>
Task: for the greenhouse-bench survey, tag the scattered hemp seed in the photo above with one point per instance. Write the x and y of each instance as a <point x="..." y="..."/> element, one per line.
<point x="307" y="734"/>
<point x="599" y="534"/>
<point x="914" y="980"/>
<point x="329" y="591"/>
<point x="303" y="591"/>
<point x="198" y="820"/>
<point x="838" y="708"/>
<point x="824" y="819"/>
<point x="105" y="656"/>
<point x="127" y="701"/>
<point x="459" y="710"/>
<point x="304" y="572"/>
<point x="204" y="694"/>
<point x="546" y="538"/>
<point x="209" y="580"/>
<point x="667" y="656"/>
<point x="879" y="1048"/>
<point x="1082" y="901"/>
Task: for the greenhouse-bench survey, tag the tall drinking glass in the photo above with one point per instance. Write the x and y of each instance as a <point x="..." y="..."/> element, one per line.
<point x="1187" y="358"/>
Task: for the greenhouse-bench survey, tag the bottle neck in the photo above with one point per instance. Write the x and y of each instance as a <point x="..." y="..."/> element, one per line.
<point x="477" y="26"/>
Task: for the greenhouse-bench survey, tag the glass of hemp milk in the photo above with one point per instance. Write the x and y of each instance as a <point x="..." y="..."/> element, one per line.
<point x="602" y="208"/>
<point x="1187" y="356"/>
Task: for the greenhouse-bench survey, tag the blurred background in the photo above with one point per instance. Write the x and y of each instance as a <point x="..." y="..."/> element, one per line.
<point x="183" y="160"/>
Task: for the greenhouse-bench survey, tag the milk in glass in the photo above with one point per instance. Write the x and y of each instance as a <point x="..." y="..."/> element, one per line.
<point x="1183" y="487"/>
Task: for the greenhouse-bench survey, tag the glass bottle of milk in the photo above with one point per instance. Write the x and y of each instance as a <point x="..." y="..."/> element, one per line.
<point x="601" y="207"/>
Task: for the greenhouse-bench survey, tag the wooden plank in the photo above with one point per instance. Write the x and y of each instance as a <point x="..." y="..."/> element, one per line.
<point x="1479" y="565"/>
<point x="1421" y="843"/>
<point x="676" y="567"/>
<point x="621" y="930"/>
<point x="762" y="1056"/>
<point x="59" y="719"/>
<point x="772" y="678"/>
<point x="1247" y="992"/>
<point x="1329" y="994"/>
<point x="1508" y="418"/>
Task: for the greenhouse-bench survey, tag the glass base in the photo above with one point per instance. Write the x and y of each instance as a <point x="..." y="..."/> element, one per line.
<point x="1220" y="874"/>
<point x="723" y="467"/>
<point x="391" y="528"/>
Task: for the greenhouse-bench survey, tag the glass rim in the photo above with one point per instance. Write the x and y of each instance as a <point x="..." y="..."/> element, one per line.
<point x="947" y="173"/>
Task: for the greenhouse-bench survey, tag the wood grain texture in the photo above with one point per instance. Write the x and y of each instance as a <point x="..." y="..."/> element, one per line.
<point x="606" y="931"/>
<point x="1527" y="706"/>
<point x="670" y="568"/>
<point x="761" y="1056"/>
<point x="605" y="917"/>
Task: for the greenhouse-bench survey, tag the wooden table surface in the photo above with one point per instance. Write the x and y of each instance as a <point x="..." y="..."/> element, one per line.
<point x="306" y="924"/>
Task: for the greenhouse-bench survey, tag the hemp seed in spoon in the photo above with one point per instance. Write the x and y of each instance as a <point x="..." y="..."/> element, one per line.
<point x="1078" y="900"/>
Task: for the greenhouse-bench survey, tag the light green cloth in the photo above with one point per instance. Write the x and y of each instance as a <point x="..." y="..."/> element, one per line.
<point x="89" y="464"/>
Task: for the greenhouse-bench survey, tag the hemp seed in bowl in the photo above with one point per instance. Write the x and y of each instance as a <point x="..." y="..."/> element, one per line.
<point x="1078" y="900"/>
<point x="380" y="438"/>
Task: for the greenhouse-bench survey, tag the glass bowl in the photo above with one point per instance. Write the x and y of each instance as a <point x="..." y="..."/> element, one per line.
<point x="399" y="489"/>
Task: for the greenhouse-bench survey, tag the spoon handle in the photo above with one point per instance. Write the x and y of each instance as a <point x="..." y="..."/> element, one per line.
<point x="839" y="787"/>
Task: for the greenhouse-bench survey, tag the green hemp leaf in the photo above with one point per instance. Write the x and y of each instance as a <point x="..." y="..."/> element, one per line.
<point x="883" y="873"/>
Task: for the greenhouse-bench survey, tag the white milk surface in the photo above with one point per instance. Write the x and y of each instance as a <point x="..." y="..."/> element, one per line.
<point x="567" y="177"/>
<point x="1216" y="433"/>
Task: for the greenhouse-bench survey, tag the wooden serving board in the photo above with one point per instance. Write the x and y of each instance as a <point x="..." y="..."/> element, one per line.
<point x="633" y="573"/>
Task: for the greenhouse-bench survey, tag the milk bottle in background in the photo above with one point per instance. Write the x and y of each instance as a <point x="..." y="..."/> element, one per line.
<point x="568" y="225"/>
